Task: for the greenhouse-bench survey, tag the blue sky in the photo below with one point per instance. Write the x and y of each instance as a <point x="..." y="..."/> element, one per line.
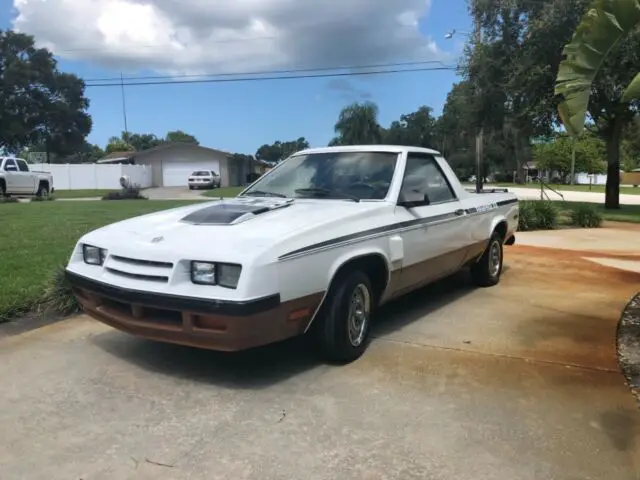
<point x="239" y="117"/>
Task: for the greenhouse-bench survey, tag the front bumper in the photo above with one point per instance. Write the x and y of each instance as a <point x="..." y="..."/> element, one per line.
<point x="202" y="184"/>
<point x="198" y="322"/>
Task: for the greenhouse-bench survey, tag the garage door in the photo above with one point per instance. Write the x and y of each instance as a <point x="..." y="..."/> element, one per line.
<point x="176" y="174"/>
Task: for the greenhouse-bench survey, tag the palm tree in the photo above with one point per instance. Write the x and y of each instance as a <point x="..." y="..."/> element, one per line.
<point x="358" y="125"/>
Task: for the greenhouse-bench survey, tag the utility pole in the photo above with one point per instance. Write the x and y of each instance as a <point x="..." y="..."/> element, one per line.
<point x="124" y="109"/>
<point x="480" y="133"/>
<point x="573" y="161"/>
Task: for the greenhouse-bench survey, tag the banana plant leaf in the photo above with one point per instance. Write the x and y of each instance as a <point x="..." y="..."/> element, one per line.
<point x="632" y="92"/>
<point x="600" y="30"/>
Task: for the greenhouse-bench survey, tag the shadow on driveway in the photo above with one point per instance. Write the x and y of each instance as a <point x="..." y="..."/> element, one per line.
<point x="261" y="367"/>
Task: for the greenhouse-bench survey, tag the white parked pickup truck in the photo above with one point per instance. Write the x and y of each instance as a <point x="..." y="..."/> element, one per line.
<point x="312" y="247"/>
<point x="17" y="179"/>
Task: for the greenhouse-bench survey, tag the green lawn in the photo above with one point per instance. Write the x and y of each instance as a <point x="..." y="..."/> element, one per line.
<point x="572" y="188"/>
<point x="38" y="236"/>
<point x="81" y="193"/>
<point x="223" y="192"/>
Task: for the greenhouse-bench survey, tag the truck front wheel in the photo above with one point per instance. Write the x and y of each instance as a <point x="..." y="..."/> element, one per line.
<point x="3" y="190"/>
<point x="343" y="329"/>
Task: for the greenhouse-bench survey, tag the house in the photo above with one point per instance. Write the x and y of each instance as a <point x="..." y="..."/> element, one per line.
<point x="172" y="164"/>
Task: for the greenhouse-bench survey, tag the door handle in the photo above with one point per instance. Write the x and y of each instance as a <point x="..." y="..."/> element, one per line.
<point x="459" y="212"/>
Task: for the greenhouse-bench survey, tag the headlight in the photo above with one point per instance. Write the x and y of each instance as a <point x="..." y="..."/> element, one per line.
<point x="203" y="273"/>
<point x="228" y="275"/>
<point x="210" y="273"/>
<point x="93" y="255"/>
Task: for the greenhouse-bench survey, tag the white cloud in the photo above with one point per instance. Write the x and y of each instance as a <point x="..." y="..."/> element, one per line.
<point x="201" y="36"/>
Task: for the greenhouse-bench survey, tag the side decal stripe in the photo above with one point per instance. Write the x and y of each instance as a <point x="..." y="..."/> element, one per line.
<point x="387" y="229"/>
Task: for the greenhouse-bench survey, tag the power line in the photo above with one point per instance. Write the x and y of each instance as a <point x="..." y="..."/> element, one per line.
<point x="269" y="72"/>
<point x="287" y="77"/>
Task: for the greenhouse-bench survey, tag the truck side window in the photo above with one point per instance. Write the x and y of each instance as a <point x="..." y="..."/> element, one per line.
<point x="10" y="163"/>
<point x="423" y="174"/>
<point x="22" y="165"/>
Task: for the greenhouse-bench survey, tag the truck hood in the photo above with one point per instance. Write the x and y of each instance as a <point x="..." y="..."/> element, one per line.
<point x="230" y="227"/>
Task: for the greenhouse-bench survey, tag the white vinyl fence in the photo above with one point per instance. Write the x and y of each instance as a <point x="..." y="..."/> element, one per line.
<point x="94" y="176"/>
<point x="586" y="179"/>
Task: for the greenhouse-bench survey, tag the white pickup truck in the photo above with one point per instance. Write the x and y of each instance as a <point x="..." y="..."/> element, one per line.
<point x="17" y="179"/>
<point x="312" y="247"/>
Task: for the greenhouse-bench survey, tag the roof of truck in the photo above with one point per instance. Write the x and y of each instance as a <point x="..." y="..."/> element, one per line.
<point x="368" y="148"/>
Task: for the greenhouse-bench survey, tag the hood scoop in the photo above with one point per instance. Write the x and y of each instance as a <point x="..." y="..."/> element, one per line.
<point x="234" y="211"/>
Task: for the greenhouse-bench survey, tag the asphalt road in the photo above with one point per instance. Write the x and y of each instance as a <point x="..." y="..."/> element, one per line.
<point x="519" y="381"/>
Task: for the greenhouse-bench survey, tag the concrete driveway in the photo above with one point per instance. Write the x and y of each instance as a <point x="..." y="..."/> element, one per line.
<point x="519" y="381"/>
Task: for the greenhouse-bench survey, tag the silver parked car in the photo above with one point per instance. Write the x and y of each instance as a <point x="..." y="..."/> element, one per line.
<point x="204" y="179"/>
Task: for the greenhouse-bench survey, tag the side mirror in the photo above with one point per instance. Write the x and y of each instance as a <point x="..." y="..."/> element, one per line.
<point x="412" y="198"/>
<point x="10" y="168"/>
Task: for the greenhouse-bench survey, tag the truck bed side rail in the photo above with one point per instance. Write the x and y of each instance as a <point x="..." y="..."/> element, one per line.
<point x="488" y="190"/>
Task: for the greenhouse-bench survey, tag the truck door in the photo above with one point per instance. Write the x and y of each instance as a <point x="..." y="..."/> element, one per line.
<point x="11" y="176"/>
<point x="25" y="178"/>
<point x="434" y="242"/>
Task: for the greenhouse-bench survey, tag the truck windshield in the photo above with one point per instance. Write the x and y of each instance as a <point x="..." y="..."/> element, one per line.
<point x="201" y="174"/>
<point x="356" y="175"/>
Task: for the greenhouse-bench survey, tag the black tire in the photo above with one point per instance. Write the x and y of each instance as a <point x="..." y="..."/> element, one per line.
<point x="3" y="190"/>
<point x="43" y="191"/>
<point x="332" y="331"/>
<point x="486" y="271"/>
<point x="190" y="187"/>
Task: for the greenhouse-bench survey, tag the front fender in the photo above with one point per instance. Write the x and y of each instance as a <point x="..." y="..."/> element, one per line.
<point x="354" y="254"/>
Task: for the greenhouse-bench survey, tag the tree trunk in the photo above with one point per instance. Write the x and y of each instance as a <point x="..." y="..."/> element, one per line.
<point x="612" y="189"/>
<point x="522" y="157"/>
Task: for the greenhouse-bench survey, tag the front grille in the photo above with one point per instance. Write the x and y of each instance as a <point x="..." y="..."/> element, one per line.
<point x="136" y="261"/>
<point x="139" y="269"/>
<point x="139" y="276"/>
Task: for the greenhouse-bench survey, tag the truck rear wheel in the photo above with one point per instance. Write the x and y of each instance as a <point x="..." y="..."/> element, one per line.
<point x="3" y="190"/>
<point x="343" y="329"/>
<point x="43" y="191"/>
<point x="486" y="272"/>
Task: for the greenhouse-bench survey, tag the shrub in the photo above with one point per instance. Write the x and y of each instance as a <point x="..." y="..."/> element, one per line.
<point x="537" y="215"/>
<point x="586" y="216"/>
<point x="58" y="296"/>
<point x="525" y="216"/>
<point x="503" y="177"/>
<point x="546" y="215"/>
<point x="131" y="192"/>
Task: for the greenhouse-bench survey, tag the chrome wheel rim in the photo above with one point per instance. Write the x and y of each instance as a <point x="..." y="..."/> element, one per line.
<point x="495" y="259"/>
<point x="359" y="310"/>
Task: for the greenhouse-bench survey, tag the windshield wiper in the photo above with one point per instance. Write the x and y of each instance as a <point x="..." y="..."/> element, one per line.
<point x="262" y="193"/>
<point x="325" y="192"/>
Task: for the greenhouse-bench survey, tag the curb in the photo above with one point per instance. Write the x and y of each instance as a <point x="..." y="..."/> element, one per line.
<point x="628" y="343"/>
